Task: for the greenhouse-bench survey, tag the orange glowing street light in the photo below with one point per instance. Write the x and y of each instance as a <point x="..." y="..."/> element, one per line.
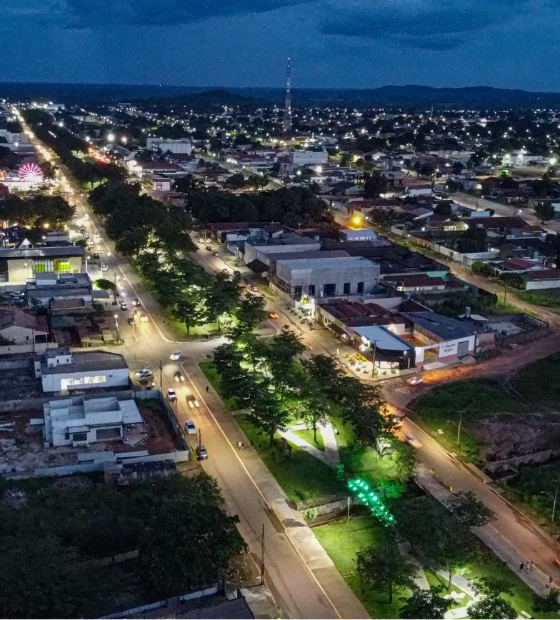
<point x="357" y="220"/>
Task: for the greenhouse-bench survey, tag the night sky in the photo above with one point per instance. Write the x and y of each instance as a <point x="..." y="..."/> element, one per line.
<point x="333" y="43"/>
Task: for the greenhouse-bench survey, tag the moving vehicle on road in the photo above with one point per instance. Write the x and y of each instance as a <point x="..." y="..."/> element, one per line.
<point x="104" y="267"/>
<point x="415" y="380"/>
<point x="144" y="373"/>
<point x="412" y="441"/>
<point x="124" y="305"/>
<point x="131" y="320"/>
<point x="201" y="453"/>
<point x="272" y="315"/>
<point x="144" y="318"/>
<point x="179" y="376"/>
<point x="209" y="248"/>
<point x="135" y="302"/>
<point x="171" y="395"/>
<point x="190" y="427"/>
<point x="175" y="355"/>
<point x="191" y="400"/>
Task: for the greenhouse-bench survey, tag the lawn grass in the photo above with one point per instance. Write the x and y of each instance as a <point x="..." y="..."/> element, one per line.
<point x="342" y="541"/>
<point x="307" y="435"/>
<point x="214" y="378"/>
<point x="301" y="476"/>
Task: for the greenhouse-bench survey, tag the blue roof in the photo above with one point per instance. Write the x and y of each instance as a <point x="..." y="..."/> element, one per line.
<point x="384" y="339"/>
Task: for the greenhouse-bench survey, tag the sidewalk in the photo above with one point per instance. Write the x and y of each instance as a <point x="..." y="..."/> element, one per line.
<point x="329" y="456"/>
<point x="294" y="527"/>
<point x="536" y="579"/>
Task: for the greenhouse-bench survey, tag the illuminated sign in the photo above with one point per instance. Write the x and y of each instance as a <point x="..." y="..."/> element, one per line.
<point x="73" y="382"/>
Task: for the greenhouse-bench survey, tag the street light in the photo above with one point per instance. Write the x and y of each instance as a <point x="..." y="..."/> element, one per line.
<point x="116" y="316"/>
<point x="554" y="497"/>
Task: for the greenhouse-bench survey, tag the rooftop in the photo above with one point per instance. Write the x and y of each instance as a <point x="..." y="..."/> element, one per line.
<point x="343" y="262"/>
<point x="444" y="327"/>
<point x="84" y="362"/>
<point x="17" y="317"/>
<point x="44" y="252"/>
<point x="383" y="338"/>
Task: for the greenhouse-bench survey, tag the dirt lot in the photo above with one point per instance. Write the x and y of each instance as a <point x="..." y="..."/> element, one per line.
<point x="161" y="437"/>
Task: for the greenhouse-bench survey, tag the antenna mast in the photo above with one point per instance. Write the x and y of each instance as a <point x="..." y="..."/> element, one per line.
<point x="288" y="103"/>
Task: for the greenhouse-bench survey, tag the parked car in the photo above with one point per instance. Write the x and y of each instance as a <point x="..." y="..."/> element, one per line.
<point x="190" y="427"/>
<point x="209" y="248"/>
<point x="215" y="253"/>
<point x="124" y="305"/>
<point x="131" y="320"/>
<point x="179" y="376"/>
<point x="175" y="355"/>
<point x="104" y="267"/>
<point x="415" y="380"/>
<point x="201" y="453"/>
<point x="96" y="255"/>
<point x="191" y="400"/>
<point x="171" y="395"/>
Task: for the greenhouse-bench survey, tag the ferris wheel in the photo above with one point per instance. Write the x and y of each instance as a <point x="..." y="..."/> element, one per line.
<point x="30" y="172"/>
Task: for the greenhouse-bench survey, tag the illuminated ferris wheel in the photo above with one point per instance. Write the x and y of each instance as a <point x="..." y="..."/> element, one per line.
<point x="31" y="173"/>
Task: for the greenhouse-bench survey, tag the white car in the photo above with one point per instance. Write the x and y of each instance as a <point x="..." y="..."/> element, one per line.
<point x="414" y="381"/>
<point x="190" y="427"/>
<point x="144" y="373"/>
<point x="175" y="355"/>
<point x="171" y="395"/>
<point x="412" y="441"/>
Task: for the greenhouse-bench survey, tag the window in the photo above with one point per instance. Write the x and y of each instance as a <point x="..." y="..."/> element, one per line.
<point x="360" y="288"/>
<point x="311" y="289"/>
<point x="79" y="437"/>
<point x="329" y="290"/>
<point x="347" y="288"/>
<point x="297" y="292"/>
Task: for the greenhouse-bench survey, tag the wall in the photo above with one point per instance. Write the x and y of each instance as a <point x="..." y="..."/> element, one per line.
<point x="534" y="285"/>
<point x="252" y="252"/>
<point x="27" y="348"/>
<point x="118" y="377"/>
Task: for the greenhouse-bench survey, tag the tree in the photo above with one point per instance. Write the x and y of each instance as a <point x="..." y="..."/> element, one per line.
<point x="469" y="509"/>
<point x="104" y="285"/>
<point x="251" y="312"/>
<point x="236" y="181"/>
<point x="405" y="459"/>
<point x="267" y="414"/>
<point x="40" y="578"/>
<point x="8" y="159"/>
<point x="374" y="184"/>
<point x="492" y="605"/>
<point x="430" y="529"/>
<point x="443" y="208"/>
<point x="189" y="311"/>
<point x="472" y="240"/>
<point x="544" y="211"/>
<point x="382" y="567"/>
<point x="316" y="405"/>
<point x="222" y="298"/>
<point x="282" y="351"/>
<point x="424" y="604"/>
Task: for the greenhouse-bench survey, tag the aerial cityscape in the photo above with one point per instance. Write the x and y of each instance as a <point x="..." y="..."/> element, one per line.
<point x="279" y="310"/>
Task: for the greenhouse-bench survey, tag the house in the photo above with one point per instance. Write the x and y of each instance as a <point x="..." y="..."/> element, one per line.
<point x="19" y="326"/>
<point x="359" y="234"/>
<point x="61" y="370"/>
<point x="311" y="156"/>
<point x="542" y="279"/>
<point x="80" y="422"/>
<point x="415" y="282"/>
<point x="183" y="146"/>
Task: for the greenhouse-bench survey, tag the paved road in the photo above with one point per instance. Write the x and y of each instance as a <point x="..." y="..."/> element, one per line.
<point x="302" y="578"/>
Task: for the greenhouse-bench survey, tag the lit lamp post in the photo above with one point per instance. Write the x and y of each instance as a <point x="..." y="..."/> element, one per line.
<point x="117" y="326"/>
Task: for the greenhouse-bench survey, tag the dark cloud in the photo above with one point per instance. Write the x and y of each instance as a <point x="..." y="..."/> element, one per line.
<point x="428" y="24"/>
<point x="96" y="13"/>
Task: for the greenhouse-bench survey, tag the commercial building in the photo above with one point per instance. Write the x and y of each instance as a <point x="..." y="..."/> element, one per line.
<point x="174" y="146"/>
<point x="325" y="277"/>
<point x="79" y="422"/>
<point x="310" y="157"/>
<point x="20" y="265"/>
<point x="60" y="370"/>
<point x="378" y="343"/>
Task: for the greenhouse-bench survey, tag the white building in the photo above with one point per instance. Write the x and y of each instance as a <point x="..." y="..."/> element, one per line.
<point x="174" y="146"/>
<point x="79" y="422"/>
<point x="310" y="157"/>
<point x="60" y="370"/>
<point x="359" y="234"/>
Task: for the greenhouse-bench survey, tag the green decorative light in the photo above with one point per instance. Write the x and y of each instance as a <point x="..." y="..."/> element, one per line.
<point x="372" y="500"/>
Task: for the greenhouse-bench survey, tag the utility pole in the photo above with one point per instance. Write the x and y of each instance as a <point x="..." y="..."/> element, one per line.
<point x="161" y="374"/>
<point x="459" y="427"/>
<point x="505" y="291"/>
<point x="262" y="556"/>
<point x="114" y="288"/>
<point x="555" y="498"/>
<point x="373" y="371"/>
